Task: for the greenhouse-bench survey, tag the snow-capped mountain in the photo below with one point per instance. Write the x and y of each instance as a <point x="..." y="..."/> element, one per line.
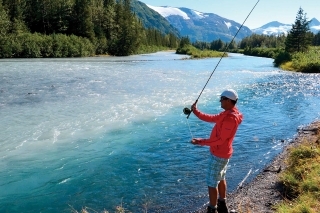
<point x="152" y="19"/>
<point x="273" y="28"/>
<point x="277" y="28"/>
<point x="199" y="26"/>
<point x="172" y="11"/>
<point x="314" y="25"/>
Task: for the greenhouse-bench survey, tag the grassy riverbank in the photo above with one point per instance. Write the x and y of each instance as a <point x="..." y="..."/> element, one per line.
<point x="290" y="183"/>
<point x="197" y="53"/>
<point x="301" y="179"/>
<point x="308" y="62"/>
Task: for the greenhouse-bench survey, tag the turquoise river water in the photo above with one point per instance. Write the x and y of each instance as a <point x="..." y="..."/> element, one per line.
<point x="104" y="131"/>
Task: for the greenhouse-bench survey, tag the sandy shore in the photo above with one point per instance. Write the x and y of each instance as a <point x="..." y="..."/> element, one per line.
<point x="265" y="190"/>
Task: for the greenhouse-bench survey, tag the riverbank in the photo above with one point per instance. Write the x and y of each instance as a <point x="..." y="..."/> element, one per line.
<point x="195" y="53"/>
<point x="265" y="191"/>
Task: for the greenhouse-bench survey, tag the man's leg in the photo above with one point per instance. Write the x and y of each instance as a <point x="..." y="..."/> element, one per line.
<point x="216" y="172"/>
<point x="222" y="188"/>
<point x="213" y="196"/>
<point x="213" y="192"/>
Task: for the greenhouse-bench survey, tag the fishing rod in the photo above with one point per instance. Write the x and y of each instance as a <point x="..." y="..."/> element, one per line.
<point x="188" y="111"/>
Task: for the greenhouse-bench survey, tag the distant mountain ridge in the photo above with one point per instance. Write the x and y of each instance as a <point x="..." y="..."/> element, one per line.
<point x="314" y="25"/>
<point x="273" y="28"/>
<point x="200" y="26"/>
<point x="273" y="24"/>
<point x="277" y="28"/>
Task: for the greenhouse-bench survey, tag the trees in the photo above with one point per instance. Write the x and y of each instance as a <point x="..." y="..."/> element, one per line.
<point x="109" y="25"/>
<point x="125" y="24"/>
<point x="316" y="39"/>
<point x="184" y="41"/>
<point x="4" y="21"/>
<point x="129" y="33"/>
<point x="217" y="45"/>
<point x="298" y="39"/>
<point x="298" y="51"/>
<point x="82" y="24"/>
<point x="48" y="16"/>
<point x="269" y="41"/>
<point x="15" y="10"/>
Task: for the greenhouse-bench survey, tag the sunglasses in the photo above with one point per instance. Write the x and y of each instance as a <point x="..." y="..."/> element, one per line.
<point x="223" y="98"/>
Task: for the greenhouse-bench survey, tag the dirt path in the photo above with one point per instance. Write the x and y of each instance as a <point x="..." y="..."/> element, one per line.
<point x="264" y="191"/>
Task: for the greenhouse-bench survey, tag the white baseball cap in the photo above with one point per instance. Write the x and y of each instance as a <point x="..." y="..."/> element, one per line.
<point x="230" y="93"/>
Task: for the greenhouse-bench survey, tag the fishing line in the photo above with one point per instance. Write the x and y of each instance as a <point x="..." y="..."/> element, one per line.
<point x="188" y="111"/>
<point x="190" y="129"/>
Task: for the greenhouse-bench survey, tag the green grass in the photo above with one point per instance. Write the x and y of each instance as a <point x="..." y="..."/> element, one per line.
<point x="150" y="49"/>
<point x="301" y="179"/>
<point x="196" y="53"/>
<point x="287" y="66"/>
<point x="261" y="52"/>
<point x="308" y="62"/>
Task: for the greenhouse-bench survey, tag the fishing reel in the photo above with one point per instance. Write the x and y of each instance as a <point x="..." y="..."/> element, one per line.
<point x="187" y="111"/>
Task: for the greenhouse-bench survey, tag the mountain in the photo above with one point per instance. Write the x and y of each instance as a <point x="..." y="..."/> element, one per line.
<point x="276" y="28"/>
<point x="200" y="26"/>
<point x="152" y="19"/>
<point x="314" y="25"/>
<point x="273" y="28"/>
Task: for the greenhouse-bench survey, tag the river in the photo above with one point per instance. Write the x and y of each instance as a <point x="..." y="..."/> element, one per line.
<point x="107" y="131"/>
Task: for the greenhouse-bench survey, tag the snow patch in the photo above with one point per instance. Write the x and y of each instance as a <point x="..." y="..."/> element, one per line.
<point x="315" y="27"/>
<point x="276" y="30"/>
<point x="228" y="24"/>
<point x="197" y="14"/>
<point x="169" y="11"/>
<point x="273" y="30"/>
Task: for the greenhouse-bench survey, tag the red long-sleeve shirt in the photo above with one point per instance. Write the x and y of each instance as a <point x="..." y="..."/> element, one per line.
<point x="223" y="132"/>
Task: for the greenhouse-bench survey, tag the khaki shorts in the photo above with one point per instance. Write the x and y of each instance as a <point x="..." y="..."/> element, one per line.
<point x="216" y="170"/>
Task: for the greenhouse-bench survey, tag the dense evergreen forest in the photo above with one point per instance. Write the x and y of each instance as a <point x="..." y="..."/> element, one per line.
<point x="75" y="28"/>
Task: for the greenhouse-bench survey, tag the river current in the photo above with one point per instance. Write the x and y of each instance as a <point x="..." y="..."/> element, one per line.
<point x="102" y="132"/>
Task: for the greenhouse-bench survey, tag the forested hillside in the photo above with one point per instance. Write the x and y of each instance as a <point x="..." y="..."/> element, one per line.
<point x="74" y="28"/>
<point x="152" y="19"/>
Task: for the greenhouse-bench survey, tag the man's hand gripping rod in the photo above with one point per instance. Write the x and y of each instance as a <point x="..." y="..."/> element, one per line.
<point x="188" y="111"/>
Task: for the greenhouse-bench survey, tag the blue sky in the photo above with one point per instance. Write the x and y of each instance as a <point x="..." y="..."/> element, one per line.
<point x="284" y="11"/>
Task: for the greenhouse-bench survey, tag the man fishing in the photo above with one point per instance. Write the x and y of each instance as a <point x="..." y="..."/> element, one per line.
<point x="220" y="142"/>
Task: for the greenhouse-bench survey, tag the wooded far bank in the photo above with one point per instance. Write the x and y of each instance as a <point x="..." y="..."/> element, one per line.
<point x="75" y="28"/>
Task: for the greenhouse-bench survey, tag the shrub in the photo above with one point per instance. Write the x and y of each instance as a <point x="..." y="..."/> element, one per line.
<point x="101" y="46"/>
<point x="308" y="62"/>
<point x="196" y="53"/>
<point x="281" y="57"/>
<point x="28" y="45"/>
<point x="261" y="52"/>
